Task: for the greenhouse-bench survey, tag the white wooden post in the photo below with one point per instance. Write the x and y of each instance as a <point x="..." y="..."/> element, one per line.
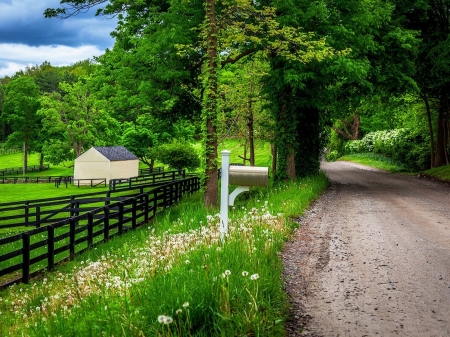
<point x="224" y="193"/>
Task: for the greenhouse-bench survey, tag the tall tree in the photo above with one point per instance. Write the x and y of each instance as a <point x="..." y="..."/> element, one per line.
<point x="431" y="19"/>
<point x="19" y="110"/>
<point x="74" y="122"/>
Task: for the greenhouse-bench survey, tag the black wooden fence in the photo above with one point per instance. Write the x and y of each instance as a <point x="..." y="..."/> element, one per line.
<point x="150" y="178"/>
<point x="44" y="211"/>
<point x="35" y="180"/>
<point x="28" y="253"/>
<point x="17" y="170"/>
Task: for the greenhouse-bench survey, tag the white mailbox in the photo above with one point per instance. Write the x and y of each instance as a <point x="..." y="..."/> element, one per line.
<point x="244" y="177"/>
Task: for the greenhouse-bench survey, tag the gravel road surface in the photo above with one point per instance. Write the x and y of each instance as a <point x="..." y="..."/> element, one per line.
<point x="372" y="257"/>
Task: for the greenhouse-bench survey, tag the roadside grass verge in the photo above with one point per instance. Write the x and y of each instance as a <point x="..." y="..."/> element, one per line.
<point x="174" y="276"/>
<point x="440" y="173"/>
<point x="375" y="160"/>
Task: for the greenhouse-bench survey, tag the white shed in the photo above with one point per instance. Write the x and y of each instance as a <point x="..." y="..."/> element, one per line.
<point x="113" y="162"/>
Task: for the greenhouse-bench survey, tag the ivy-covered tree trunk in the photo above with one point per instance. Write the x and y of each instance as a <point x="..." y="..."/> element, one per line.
<point x="210" y="108"/>
<point x="441" y="146"/>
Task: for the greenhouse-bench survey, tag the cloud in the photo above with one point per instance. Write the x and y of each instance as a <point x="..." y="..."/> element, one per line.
<point x="22" y="21"/>
<point x="15" y="57"/>
<point x="27" y="38"/>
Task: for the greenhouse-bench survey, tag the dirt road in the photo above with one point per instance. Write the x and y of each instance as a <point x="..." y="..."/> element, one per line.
<point x="372" y="258"/>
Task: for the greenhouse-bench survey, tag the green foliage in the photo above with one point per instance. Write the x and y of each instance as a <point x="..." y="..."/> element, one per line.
<point x="403" y="145"/>
<point x="177" y="155"/>
<point x="333" y="155"/>
<point x="19" y="111"/>
<point x="73" y="121"/>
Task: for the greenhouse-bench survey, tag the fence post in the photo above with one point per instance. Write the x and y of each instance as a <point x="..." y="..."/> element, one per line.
<point x="72" y="206"/>
<point x="155" y="202"/>
<point x="25" y="257"/>
<point x="106" y="223"/>
<point x="90" y="228"/>
<point x="26" y="211"/>
<point x="146" y="207"/>
<point x="120" y="217"/>
<point x="38" y="216"/>
<point x="72" y="224"/>
<point x="133" y="213"/>
<point x="51" y="247"/>
<point x="107" y="200"/>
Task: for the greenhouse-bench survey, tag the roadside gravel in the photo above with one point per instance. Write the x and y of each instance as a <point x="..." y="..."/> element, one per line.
<point x="371" y="258"/>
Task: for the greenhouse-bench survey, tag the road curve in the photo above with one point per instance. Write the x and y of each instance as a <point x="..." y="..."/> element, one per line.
<point x="372" y="257"/>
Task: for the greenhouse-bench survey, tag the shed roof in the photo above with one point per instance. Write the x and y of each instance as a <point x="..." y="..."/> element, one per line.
<point x="115" y="153"/>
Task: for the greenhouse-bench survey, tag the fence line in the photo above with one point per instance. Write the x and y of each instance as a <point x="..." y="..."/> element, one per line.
<point x="17" y="170"/>
<point x="65" y="238"/>
<point x="21" y="213"/>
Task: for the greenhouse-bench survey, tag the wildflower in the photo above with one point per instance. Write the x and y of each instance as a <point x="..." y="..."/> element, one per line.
<point x="185" y="304"/>
<point x="227" y="272"/>
<point x="245" y="273"/>
<point x="254" y="277"/>
<point x="187" y="261"/>
<point x="167" y="320"/>
<point x="179" y="311"/>
<point x="161" y="318"/>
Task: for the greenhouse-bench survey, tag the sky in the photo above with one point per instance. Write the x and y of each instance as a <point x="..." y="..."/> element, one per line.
<point x="27" y="38"/>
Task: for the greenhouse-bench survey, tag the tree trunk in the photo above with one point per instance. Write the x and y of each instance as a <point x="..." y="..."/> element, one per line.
<point x="430" y="127"/>
<point x="354" y="134"/>
<point x="251" y="133"/>
<point x="41" y="161"/>
<point x="439" y="159"/>
<point x="25" y="156"/>
<point x="273" y="148"/>
<point x="211" y="179"/>
<point x="290" y="170"/>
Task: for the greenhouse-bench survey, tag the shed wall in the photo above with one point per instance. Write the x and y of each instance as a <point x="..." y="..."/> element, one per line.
<point x="124" y="169"/>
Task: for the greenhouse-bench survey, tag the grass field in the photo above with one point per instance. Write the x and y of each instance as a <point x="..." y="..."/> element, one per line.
<point x="11" y="192"/>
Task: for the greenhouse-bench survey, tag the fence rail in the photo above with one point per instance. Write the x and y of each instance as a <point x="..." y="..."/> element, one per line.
<point x="149" y="170"/>
<point x="17" y="170"/>
<point x="9" y="151"/>
<point x="35" y="180"/>
<point x="151" y="178"/>
<point x="25" y="254"/>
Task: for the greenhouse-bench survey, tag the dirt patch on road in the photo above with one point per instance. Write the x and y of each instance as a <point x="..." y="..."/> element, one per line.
<point x="372" y="257"/>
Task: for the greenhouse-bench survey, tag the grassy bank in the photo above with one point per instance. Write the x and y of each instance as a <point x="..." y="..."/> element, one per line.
<point x="175" y="277"/>
<point x="439" y="173"/>
<point x="375" y="160"/>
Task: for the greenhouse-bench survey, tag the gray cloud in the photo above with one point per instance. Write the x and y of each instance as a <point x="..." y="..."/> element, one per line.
<point x="22" y="21"/>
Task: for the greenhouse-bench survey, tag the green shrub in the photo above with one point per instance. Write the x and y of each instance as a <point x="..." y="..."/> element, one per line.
<point x="353" y="146"/>
<point x="332" y="156"/>
<point x="404" y="145"/>
<point x="177" y="156"/>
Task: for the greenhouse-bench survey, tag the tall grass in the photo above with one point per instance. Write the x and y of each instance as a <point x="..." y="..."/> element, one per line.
<point x="175" y="277"/>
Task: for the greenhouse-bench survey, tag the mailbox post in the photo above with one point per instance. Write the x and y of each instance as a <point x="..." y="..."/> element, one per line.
<point x="224" y="193"/>
<point x="244" y="177"/>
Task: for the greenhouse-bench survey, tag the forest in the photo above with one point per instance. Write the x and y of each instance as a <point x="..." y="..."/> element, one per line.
<point x="311" y="78"/>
